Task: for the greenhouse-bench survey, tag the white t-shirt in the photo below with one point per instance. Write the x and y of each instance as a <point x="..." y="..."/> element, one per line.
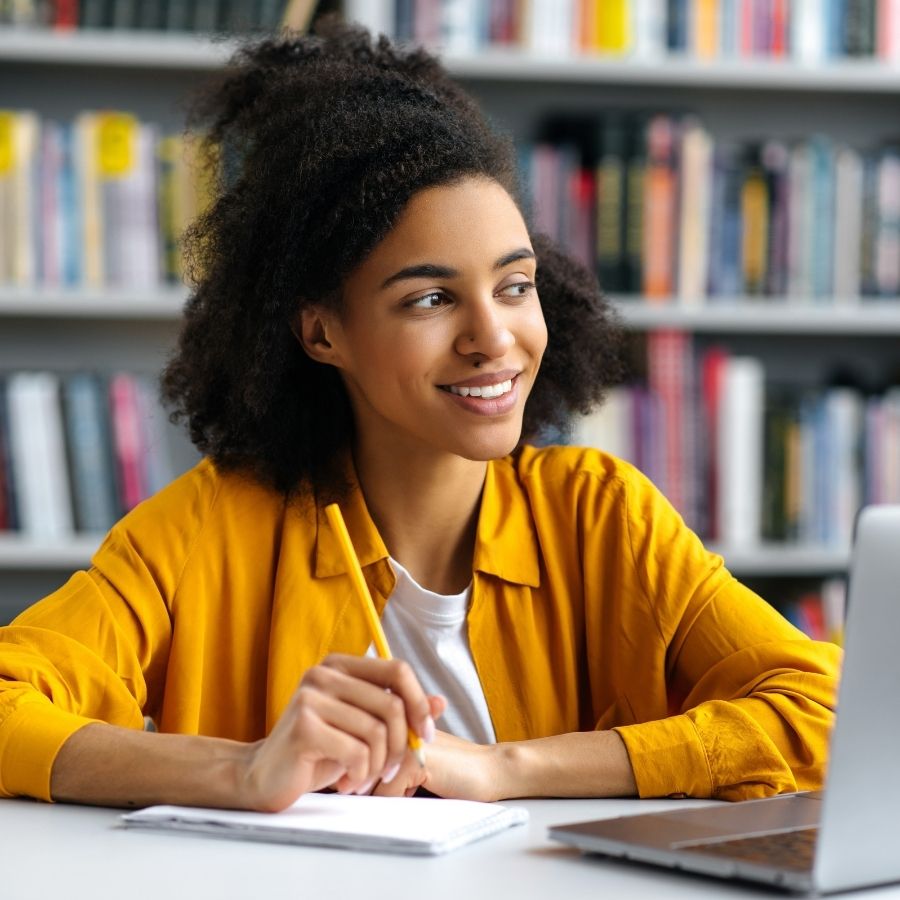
<point x="429" y="631"/>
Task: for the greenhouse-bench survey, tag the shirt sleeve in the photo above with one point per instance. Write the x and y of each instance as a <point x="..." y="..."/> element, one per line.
<point x="88" y="652"/>
<point x="751" y="698"/>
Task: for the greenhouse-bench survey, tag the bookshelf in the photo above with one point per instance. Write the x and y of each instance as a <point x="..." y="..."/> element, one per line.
<point x="150" y="73"/>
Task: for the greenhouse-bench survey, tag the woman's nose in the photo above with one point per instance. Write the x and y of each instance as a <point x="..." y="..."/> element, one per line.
<point x="485" y="332"/>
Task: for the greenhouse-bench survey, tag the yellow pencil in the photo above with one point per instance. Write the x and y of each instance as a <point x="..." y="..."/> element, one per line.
<point x="336" y="520"/>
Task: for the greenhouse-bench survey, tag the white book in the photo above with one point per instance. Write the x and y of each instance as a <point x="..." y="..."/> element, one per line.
<point x="88" y="202"/>
<point x="38" y="454"/>
<point x="696" y="180"/>
<point x="740" y="446"/>
<point x="844" y="410"/>
<point x="416" y="825"/>
<point x="807" y="25"/>
<point x="848" y="215"/>
<point x="609" y="427"/>
<point x="459" y="27"/>
<point x="887" y="239"/>
<point x="648" y="25"/>
<point x="800" y="230"/>
<point x="376" y="15"/>
<point x="25" y="199"/>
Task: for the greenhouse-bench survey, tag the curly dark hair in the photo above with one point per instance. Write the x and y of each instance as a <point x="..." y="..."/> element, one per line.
<point x="324" y="139"/>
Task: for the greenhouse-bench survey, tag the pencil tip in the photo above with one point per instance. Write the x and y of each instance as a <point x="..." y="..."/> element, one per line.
<point x="419" y="753"/>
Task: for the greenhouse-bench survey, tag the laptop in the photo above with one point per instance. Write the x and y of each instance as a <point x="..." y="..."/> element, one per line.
<point x="840" y="838"/>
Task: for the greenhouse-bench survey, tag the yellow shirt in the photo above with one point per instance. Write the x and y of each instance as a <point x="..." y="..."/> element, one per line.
<point x="593" y="606"/>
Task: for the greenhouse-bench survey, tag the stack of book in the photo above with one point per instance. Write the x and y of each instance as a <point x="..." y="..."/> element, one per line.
<point x="819" y="612"/>
<point x="806" y="31"/>
<point x="168" y="15"/>
<point x="77" y="451"/>
<point x="99" y="202"/>
<point x="745" y="461"/>
<point x="663" y="209"/>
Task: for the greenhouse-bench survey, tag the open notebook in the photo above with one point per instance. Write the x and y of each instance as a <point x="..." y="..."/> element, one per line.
<point x="423" y="825"/>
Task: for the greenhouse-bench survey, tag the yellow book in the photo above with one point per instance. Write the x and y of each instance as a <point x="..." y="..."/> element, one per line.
<point x="754" y="230"/>
<point x="612" y="23"/>
<point x="706" y="28"/>
<point x="7" y="162"/>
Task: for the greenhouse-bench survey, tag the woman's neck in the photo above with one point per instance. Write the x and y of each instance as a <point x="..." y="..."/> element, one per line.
<point x="426" y="510"/>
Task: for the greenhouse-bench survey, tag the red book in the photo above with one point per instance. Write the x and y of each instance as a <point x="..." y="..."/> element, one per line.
<point x="668" y="353"/>
<point x="779" y="34"/>
<point x="746" y="30"/>
<point x="712" y="371"/>
<point x="128" y="442"/>
<point x="65" y="14"/>
<point x="660" y="201"/>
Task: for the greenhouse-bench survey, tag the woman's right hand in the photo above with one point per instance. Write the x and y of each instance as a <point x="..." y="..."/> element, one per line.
<point x="345" y="726"/>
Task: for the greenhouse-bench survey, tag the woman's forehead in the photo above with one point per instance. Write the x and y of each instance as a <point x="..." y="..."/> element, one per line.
<point x="473" y="218"/>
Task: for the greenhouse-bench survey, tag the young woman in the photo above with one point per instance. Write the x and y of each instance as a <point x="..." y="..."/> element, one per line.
<point x="373" y="322"/>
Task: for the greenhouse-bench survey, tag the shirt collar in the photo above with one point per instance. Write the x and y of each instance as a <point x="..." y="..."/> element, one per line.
<point x="505" y="543"/>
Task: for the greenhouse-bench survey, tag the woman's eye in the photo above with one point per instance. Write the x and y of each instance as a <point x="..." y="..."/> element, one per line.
<point x="517" y="290"/>
<point x="428" y="301"/>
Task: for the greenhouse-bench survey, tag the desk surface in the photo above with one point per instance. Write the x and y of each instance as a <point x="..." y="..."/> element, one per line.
<point x="80" y="852"/>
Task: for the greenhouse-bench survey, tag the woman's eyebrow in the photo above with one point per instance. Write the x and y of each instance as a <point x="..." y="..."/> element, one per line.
<point x="433" y="270"/>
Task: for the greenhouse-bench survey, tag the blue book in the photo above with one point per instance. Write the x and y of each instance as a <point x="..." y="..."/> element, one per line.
<point x="835" y="12"/>
<point x="822" y="187"/>
<point x="9" y="518"/>
<point x="92" y="471"/>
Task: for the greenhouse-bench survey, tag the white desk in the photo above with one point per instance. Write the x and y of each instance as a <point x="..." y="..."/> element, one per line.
<point x="79" y="853"/>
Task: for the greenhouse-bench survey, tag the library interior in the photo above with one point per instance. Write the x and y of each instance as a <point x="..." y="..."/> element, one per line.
<point x="729" y="170"/>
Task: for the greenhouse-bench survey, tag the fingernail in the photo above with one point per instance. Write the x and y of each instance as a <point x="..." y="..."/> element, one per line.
<point x="390" y="774"/>
<point x="428" y="736"/>
<point x="364" y="789"/>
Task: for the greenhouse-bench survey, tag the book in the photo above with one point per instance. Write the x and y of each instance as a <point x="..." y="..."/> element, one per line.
<point x="740" y="444"/>
<point x="417" y="825"/>
<point x="90" y="458"/>
<point x="38" y="454"/>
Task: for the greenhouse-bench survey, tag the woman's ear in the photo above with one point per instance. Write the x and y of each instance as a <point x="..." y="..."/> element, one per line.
<point x="312" y="327"/>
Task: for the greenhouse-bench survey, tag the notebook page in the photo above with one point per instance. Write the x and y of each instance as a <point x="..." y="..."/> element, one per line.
<point x="418" y="824"/>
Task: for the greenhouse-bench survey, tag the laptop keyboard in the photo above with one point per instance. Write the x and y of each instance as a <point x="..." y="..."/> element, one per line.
<point x="786" y="850"/>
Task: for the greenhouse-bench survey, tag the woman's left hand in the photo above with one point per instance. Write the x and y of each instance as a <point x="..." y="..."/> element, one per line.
<point x="454" y="768"/>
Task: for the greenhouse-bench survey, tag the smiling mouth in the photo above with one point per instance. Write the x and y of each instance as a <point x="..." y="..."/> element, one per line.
<point x="486" y="392"/>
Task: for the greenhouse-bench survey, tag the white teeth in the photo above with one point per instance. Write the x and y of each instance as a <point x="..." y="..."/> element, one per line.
<point x="487" y="392"/>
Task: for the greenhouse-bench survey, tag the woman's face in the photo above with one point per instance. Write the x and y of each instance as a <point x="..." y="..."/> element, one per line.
<point x="441" y="332"/>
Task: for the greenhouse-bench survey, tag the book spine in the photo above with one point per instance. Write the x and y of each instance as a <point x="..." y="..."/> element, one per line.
<point x="740" y="442"/>
<point x="127" y="442"/>
<point x="696" y="160"/>
<point x="848" y="216"/>
<point x="91" y="464"/>
<point x="611" y="205"/>
<point x="659" y="209"/>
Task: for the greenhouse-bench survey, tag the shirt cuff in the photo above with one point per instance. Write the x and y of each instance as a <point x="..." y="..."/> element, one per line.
<point x="667" y="758"/>
<point x="29" y="741"/>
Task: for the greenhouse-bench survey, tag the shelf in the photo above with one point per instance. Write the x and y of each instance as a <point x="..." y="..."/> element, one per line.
<point x="852" y="76"/>
<point x="775" y="316"/>
<point x="784" y="559"/>
<point x="114" y="49"/>
<point x="193" y="52"/>
<point x="769" y="316"/>
<point x="18" y="552"/>
<point x="123" y="305"/>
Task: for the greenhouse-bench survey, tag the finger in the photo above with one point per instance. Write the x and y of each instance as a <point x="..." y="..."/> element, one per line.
<point x="378" y="702"/>
<point x="394" y="675"/>
<point x="407" y="780"/>
<point x="438" y="704"/>
<point x="367" y="729"/>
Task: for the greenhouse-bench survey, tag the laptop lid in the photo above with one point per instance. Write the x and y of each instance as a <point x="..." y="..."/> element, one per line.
<point x="858" y="843"/>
